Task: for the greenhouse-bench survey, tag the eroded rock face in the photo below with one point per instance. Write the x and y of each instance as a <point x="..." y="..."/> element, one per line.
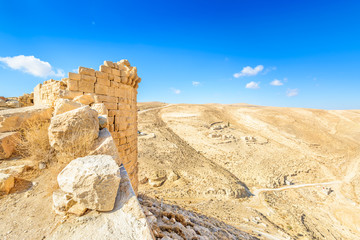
<point x="62" y="105"/>
<point x="70" y="129"/>
<point x="8" y="142"/>
<point x="105" y="145"/>
<point x="93" y="181"/>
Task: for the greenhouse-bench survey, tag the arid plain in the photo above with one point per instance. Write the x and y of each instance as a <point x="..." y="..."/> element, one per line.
<point x="277" y="173"/>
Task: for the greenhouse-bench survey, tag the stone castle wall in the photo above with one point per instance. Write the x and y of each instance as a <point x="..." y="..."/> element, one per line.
<point x="115" y="85"/>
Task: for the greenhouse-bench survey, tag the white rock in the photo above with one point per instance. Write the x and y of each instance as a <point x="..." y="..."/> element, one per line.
<point x="92" y="180"/>
<point x="62" y="105"/>
<point x="86" y="99"/>
<point x="105" y="145"/>
<point x="72" y="128"/>
<point x="126" y="221"/>
<point x="100" y="108"/>
<point x="6" y="182"/>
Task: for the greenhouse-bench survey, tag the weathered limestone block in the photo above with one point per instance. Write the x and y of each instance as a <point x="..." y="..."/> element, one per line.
<point x="92" y="180"/>
<point x="100" y="108"/>
<point x="14" y="119"/>
<point x="103" y="81"/>
<point x="6" y="182"/>
<point x="72" y="85"/>
<point x="88" y="78"/>
<point x="105" y="69"/>
<point x="101" y="89"/>
<point x="8" y="142"/>
<point x="86" y="71"/>
<point x="69" y="129"/>
<point x="105" y="145"/>
<point x="62" y="105"/>
<point x="86" y="86"/>
<point x="125" y="221"/>
<point x="85" y="99"/>
<point x="69" y="94"/>
<point x="100" y="74"/>
<point x="74" y="76"/>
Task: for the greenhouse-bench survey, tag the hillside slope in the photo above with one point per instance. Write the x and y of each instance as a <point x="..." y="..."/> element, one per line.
<point x="224" y="161"/>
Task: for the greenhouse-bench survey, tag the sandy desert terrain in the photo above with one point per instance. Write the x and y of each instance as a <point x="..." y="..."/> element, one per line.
<point x="279" y="173"/>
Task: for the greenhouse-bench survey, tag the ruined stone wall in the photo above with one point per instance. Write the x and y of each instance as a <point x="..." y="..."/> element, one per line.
<point x="26" y="100"/>
<point x="115" y="85"/>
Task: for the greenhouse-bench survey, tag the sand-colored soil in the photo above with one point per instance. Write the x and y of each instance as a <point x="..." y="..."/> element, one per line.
<point x="228" y="158"/>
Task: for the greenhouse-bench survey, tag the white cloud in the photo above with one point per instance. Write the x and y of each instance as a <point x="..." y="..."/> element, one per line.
<point x="249" y="71"/>
<point x="276" y="82"/>
<point x="176" y="91"/>
<point x="32" y="65"/>
<point x="195" y="83"/>
<point x="253" y="85"/>
<point x="292" y="92"/>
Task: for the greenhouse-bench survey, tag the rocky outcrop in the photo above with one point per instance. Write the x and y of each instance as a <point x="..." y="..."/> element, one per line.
<point x="8" y="142"/>
<point x="126" y="221"/>
<point x="92" y="181"/>
<point x="14" y="119"/>
<point x="69" y="129"/>
<point x="62" y="105"/>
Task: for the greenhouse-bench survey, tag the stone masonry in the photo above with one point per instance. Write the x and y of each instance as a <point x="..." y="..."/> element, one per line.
<point x="115" y="85"/>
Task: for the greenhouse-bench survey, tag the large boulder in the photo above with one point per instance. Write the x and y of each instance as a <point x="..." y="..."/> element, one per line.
<point x="125" y="221"/>
<point x="8" y="142"/>
<point x="93" y="181"/>
<point x="62" y="105"/>
<point x="14" y="119"/>
<point x="105" y="145"/>
<point x="73" y="129"/>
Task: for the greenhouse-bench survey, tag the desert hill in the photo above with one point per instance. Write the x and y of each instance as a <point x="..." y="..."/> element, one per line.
<point x="278" y="172"/>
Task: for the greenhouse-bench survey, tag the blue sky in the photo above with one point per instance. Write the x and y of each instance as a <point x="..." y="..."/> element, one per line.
<point x="192" y="51"/>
